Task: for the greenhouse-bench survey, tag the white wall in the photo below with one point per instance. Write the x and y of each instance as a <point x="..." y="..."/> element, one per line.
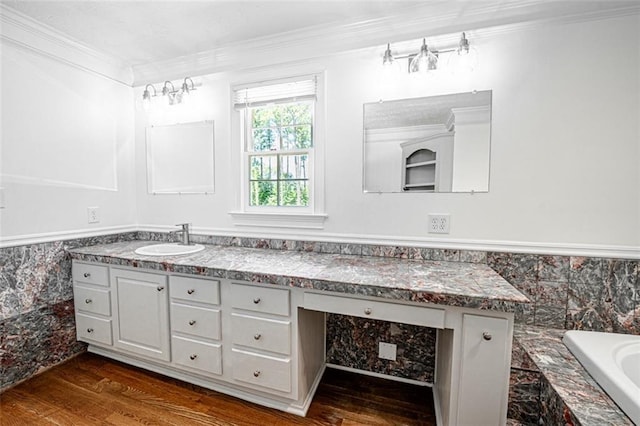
<point x="564" y="157"/>
<point x="565" y="144"/>
<point x="67" y="144"/>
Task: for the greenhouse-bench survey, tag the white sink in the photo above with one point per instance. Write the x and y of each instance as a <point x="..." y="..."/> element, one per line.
<point x="172" y="249"/>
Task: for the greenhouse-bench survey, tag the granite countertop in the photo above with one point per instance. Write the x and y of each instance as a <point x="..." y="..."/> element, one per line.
<point x="468" y="285"/>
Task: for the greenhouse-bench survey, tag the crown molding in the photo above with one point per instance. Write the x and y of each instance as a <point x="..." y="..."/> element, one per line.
<point x="28" y="34"/>
<point x="428" y="20"/>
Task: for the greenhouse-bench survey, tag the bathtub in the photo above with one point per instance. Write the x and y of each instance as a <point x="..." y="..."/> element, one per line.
<point x="613" y="360"/>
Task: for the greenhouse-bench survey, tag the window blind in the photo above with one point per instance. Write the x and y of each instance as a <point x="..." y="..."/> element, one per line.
<point x="291" y="91"/>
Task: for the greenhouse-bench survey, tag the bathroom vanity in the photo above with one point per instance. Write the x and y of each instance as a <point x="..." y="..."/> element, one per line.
<point x="250" y="322"/>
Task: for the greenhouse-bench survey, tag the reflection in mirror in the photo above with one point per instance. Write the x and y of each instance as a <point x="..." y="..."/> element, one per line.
<point x="180" y="158"/>
<point x="432" y="144"/>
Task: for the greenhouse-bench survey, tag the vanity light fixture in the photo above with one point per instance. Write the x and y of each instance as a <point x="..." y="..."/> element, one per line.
<point x="174" y="96"/>
<point x="426" y="60"/>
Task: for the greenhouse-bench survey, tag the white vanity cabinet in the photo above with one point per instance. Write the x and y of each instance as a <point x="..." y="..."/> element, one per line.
<point x="261" y="335"/>
<point x="196" y="325"/>
<point x="248" y="340"/>
<point x="92" y="296"/>
<point x="485" y="352"/>
<point x="141" y="313"/>
<point x="266" y="343"/>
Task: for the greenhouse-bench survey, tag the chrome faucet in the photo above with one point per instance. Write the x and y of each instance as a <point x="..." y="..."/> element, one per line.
<point x="185" y="233"/>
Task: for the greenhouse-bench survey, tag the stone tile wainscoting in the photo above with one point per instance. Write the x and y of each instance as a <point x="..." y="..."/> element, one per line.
<point x="37" y="322"/>
<point x="36" y="308"/>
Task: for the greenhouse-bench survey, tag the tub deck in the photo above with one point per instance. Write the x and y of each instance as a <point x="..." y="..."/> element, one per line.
<point x="568" y="394"/>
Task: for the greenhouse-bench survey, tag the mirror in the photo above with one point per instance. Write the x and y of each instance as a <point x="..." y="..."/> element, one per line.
<point x="180" y="158"/>
<point x="431" y="144"/>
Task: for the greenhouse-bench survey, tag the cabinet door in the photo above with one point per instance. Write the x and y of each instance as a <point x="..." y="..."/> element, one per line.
<point x="484" y="376"/>
<point x="141" y="313"/>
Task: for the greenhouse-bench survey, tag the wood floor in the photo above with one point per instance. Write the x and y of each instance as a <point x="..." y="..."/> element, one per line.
<point x="92" y="390"/>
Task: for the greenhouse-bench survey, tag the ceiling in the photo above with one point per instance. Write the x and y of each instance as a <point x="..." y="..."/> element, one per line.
<point x="140" y="32"/>
<point x="155" y="40"/>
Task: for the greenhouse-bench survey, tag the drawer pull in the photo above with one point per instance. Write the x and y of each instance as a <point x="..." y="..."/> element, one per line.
<point x="257" y="336"/>
<point x="487" y="336"/>
<point x="367" y="311"/>
<point x="256" y="373"/>
<point x="191" y="291"/>
<point x="87" y="274"/>
<point x="192" y="322"/>
<point x="160" y="288"/>
<point x="192" y="357"/>
<point x="89" y="330"/>
<point x="256" y="300"/>
<point x="87" y="301"/>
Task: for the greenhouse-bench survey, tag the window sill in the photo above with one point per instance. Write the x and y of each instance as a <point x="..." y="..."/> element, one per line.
<point x="279" y="220"/>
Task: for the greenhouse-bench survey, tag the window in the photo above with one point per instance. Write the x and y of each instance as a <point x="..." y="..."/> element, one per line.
<point x="281" y="171"/>
<point x="280" y="140"/>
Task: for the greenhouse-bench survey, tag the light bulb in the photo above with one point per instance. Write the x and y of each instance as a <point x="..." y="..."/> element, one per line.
<point x="387" y="60"/>
<point x="146" y="97"/>
<point x="424" y="61"/>
<point x="465" y="58"/>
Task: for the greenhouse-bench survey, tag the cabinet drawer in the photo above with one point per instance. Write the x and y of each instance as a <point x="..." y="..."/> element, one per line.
<point x="266" y="334"/>
<point x="196" y="321"/>
<point x="205" y="357"/>
<point x="91" y="300"/>
<point x="260" y="299"/>
<point x="261" y="370"/>
<point x="407" y="314"/>
<point x="91" y="329"/>
<point x="90" y="274"/>
<point x="195" y="290"/>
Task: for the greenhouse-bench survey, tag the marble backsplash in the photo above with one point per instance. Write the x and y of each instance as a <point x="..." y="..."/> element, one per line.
<point x="38" y="330"/>
<point x="37" y="322"/>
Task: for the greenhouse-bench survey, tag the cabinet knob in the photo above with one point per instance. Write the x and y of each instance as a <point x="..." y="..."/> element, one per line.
<point x="191" y="291"/>
<point x="87" y="301"/>
<point x="487" y="336"/>
<point x="256" y="300"/>
<point x="89" y="330"/>
<point x="367" y="311"/>
<point x="257" y="336"/>
<point x="192" y="357"/>
<point x="87" y="274"/>
<point x="160" y="288"/>
<point x="192" y="322"/>
<point x="256" y="373"/>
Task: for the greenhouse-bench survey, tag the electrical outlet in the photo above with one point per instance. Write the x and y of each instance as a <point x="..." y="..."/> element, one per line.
<point x="439" y="223"/>
<point x="93" y="214"/>
<point x="387" y="351"/>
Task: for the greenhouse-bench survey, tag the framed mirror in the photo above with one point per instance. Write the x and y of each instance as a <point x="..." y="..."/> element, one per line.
<point x="430" y="144"/>
<point x="180" y="158"/>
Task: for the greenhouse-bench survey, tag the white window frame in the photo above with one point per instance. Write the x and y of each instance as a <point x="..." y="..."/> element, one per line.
<point x="311" y="216"/>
